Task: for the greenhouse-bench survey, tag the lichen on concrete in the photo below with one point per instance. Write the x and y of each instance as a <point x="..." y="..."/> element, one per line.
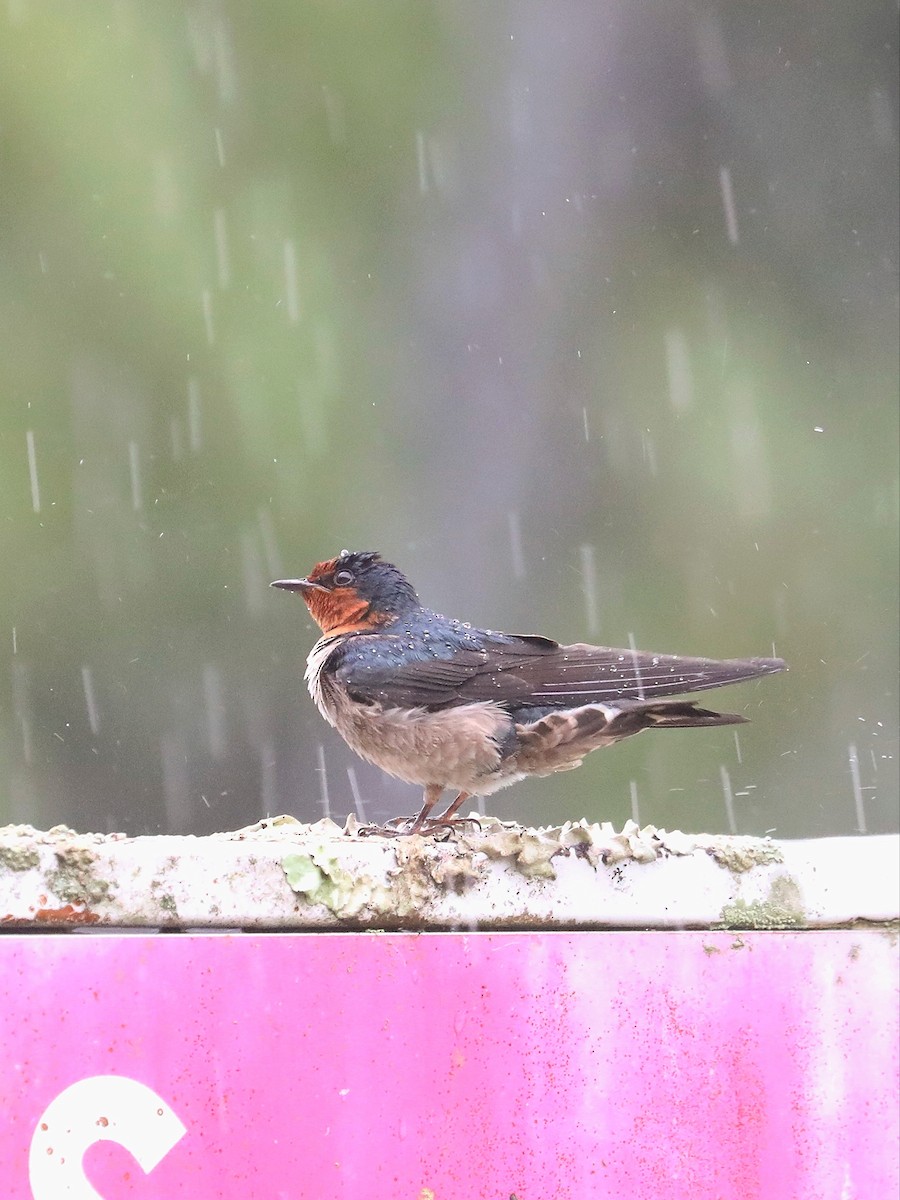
<point x="74" y="879"/>
<point x="317" y="874"/>
<point x="423" y="869"/>
<point x="739" y="854"/>
<point x="782" y="909"/>
<point x="168" y="904"/>
<point x="19" y="858"/>
<point x="448" y="866"/>
<point x="529" y="851"/>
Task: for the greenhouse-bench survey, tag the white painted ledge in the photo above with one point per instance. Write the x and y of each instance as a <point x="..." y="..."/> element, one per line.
<point x="280" y="874"/>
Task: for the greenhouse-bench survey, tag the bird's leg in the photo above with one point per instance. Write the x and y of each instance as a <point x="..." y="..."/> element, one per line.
<point x="454" y="808"/>
<point x="422" y="823"/>
<point x="449" y="819"/>
<point x="429" y="800"/>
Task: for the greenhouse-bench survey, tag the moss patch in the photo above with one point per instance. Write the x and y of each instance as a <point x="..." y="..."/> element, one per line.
<point x="782" y="909"/>
<point x="743" y="854"/>
<point x="15" y="859"/>
<point x="74" y="879"/>
<point x="319" y="877"/>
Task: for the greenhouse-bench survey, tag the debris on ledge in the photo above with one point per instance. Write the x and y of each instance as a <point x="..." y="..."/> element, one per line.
<point x="489" y="874"/>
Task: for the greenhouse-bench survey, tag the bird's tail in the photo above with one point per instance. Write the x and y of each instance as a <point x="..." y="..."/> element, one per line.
<point x="561" y="739"/>
<point x="671" y="714"/>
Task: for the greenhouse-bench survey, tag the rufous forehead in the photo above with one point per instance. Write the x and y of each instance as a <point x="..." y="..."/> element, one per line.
<point x="323" y="568"/>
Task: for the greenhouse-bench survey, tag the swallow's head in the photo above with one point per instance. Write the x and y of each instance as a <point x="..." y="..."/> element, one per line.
<point x="355" y="591"/>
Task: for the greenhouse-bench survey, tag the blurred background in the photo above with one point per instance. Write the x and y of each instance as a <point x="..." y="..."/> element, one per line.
<point x="586" y="315"/>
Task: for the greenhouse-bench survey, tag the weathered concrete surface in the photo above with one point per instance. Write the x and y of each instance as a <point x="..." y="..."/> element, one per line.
<point x="280" y="874"/>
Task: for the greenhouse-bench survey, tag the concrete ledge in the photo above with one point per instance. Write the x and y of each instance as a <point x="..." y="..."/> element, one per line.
<point x="280" y="874"/>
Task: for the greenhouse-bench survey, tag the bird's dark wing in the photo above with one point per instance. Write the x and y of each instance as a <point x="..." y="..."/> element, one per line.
<point x="534" y="672"/>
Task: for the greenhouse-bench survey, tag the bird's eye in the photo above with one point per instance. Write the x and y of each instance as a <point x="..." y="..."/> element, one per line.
<point x="343" y="578"/>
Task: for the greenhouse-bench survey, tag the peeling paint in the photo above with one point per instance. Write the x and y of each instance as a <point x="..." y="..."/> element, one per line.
<point x="66" y="915"/>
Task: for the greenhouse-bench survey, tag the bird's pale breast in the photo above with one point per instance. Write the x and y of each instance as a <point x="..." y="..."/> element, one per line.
<point x="456" y="747"/>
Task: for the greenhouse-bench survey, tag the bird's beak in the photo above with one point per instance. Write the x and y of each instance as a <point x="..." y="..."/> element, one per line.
<point x="299" y="585"/>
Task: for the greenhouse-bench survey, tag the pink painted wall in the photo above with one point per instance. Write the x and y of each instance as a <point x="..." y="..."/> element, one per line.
<point x="641" y="1066"/>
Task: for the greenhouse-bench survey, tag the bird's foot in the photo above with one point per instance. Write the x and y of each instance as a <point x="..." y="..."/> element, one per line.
<point x="448" y="824"/>
<point x="396" y="827"/>
<point x="430" y="827"/>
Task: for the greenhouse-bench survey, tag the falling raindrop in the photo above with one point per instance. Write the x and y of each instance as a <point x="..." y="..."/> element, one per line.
<point x="853" y="756"/>
<point x="32" y="472"/>
<point x="220" y="147"/>
<point x="421" y="162"/>
<point x="731" y="222"/>
<point x="134" y="467"/>
<point x="206" y="303"/>
<point x="737" y="747"/>
<point x="22" y="707"/>
<point x="323" y="781"/>
<point x="729" y="799"/>
<point x="438" y="162"/>
<point x="215" y="710"/>
<point x="292" y="295"/>
<point x="193" y="413"/>
<point x="357" y="798"/>
<point x="87" y="682"/>
<point x="635" y="811"/>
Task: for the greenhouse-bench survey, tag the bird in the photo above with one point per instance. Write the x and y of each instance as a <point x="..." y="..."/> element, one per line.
<point x="444" y="704"/>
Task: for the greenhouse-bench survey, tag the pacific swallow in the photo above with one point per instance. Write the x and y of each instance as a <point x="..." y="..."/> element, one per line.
<point x="443" y="704"/>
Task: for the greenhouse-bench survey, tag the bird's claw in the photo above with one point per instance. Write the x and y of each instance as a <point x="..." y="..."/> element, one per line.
<point x="449" y="824"/>
<point x="392" y="828"/>
<point x="404" y="826"/>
